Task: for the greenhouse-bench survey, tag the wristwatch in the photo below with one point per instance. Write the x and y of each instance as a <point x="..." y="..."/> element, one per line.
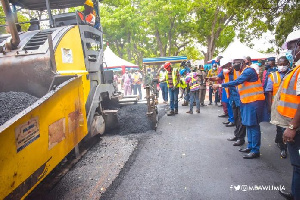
<point x="291" y="126"/>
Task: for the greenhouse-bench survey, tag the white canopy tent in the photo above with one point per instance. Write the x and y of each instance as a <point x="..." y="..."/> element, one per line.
<point x="237" y="50"/>
<point x="114" y="62"/>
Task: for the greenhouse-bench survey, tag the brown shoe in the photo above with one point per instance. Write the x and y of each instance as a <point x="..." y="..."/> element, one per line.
<point x="189" y="112"/>
<point x="185" y="103"/>
<point x="176" y="111"/>
<point x="171" y="113"/>
<point x="197" y="111"/>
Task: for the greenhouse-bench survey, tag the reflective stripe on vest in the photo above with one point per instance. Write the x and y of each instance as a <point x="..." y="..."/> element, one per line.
<point x="276" y="79"/>
<point x="289" y="101"/>
<point x="194" y="86"/>
<point x="251" y="91"/>
<point x="174" y="77"/>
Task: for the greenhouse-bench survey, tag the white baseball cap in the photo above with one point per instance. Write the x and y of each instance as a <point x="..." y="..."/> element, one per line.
<point x="291" y="37"/>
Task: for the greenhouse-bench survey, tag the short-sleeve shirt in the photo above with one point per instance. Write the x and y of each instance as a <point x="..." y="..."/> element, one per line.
<point x="269" y="86"/>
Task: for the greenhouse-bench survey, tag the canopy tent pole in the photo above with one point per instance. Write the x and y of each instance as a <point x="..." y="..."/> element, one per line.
<point x="51" y="21"/>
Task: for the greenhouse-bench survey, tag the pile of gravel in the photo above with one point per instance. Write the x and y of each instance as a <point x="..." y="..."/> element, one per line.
<point x="12" y="103"/>
<point x="133" y="119"/>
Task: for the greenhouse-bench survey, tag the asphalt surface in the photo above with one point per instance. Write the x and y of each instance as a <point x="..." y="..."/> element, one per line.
<point x="12" y="103"/>
<point x="190" y="158"/>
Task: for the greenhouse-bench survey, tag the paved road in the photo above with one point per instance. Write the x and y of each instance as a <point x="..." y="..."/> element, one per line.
<point x="189" y="158"/>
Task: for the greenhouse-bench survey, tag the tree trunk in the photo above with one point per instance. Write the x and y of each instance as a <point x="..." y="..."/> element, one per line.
<point x="159" y="43"/>
<point x="129" y="46"/>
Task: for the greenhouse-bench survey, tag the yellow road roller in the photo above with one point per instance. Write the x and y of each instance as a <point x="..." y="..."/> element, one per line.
<point x="61" y="68"/>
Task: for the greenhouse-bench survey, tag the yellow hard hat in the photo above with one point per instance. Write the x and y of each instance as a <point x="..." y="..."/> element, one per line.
<point x="89" y="3"/>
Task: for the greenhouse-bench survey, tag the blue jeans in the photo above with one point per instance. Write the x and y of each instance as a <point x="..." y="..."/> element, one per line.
<point x="216" y="95"/>
<point x="230" y="113"/>
<point x="186" y="94"/>
<point x="296" y="182"/>
<point x="254" y="136"/>
<point x="174" y="98"/>
<point x="164" y="90"/>
<point x="194" y="95"/>
<point x="137" y="87"/>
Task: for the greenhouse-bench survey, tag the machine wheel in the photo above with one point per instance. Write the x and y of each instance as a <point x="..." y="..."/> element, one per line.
<point x="98" y="125"/>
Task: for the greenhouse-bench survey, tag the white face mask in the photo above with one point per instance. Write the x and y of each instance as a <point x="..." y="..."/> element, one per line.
<point x="225" y="71"/>
<point x="282" y="68"/>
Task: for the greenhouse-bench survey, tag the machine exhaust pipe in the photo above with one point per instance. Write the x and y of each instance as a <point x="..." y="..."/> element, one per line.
<point x="15" y="40"/>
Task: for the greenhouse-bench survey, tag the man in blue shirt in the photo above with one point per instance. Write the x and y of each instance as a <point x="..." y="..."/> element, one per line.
<point x="252" y="106"/>
<point x="271" y="89"/>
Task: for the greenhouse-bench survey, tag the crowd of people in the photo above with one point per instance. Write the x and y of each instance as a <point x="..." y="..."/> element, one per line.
<point x="249" y="93"/>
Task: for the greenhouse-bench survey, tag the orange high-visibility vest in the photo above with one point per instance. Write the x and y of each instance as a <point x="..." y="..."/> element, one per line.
<point x="251" y="91"/>
<point x="88" y="18"/>
<point x="289" y="101"/>
<point x="236" y="74"/>
<point x="276" y="79"/>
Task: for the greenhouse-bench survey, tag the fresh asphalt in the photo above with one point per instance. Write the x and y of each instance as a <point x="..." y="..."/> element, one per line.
<point x="189" y="157"/>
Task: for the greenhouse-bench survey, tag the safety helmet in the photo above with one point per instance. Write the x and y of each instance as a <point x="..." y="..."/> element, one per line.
<point x="167" y="65"/>
<point x="183" y="63"/>
<point x="89" y="3"/>
<point x="182" y="71"/>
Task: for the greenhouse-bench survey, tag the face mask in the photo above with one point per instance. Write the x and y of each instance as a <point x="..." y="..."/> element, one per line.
<point x="225" y="71"/>
<point x="282" y="68"/>
<point x="214" y="68"/>
<point x="237" y="67"/>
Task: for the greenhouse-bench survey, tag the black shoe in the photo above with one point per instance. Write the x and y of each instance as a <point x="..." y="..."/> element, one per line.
<point x="171" y="113"/>
<point x="283" y="153"/>
<point x="239" y="143"/>
<point x="197" y="111"/>
<point x="202" y="104"/>
<point x="176" y="111"/>
<point x="216" y="104"/>
<point x="230" y="124"/>
<point x="247" y="150"/>
<point x="223" y="115"/>
<point x="227" y="122"/>
<point x="286" y="195"/>
<point x="209" y="103"/>
<point x="232" y="139"/>
<point x="251" y="155"/>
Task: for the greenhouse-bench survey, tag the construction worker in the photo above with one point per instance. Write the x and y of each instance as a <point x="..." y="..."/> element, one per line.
<point x="271" y="89"/>
<point x="286" y="111"/>
<point x="88" y="13"/>
<point x="213" y="73"/>
<point x="252" y="105"/>
<point x="163" y="84"/>
<point x="173" y="82"/>
<point x="202" y="92"/>
<point x="194" y="83"/>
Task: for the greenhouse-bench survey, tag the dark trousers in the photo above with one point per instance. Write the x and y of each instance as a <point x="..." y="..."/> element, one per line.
<point x="216" y="95"/>
<point x="240" y="129"/>
<point x="296" y="183"/>
<point x="279" y="139"/>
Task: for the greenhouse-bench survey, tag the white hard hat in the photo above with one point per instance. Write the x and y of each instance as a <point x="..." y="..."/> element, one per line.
<point x="291" y="37"/>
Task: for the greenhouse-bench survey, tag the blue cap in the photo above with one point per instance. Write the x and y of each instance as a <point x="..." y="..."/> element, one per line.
<point x="271" y="59"/>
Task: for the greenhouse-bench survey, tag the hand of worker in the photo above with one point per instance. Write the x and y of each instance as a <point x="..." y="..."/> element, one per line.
<point x="216" y="86"/>
<point x="288" y="135"/>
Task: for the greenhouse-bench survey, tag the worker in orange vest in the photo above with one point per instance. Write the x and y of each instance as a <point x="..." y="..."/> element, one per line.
<point x="88" y="13"/>
<point x="271" y="89"/>
<point x="252" y="105"/>
<point x="286" y="111"/>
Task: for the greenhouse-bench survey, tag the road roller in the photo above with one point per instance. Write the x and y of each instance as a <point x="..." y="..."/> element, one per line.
<point x="61" y="70"/>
